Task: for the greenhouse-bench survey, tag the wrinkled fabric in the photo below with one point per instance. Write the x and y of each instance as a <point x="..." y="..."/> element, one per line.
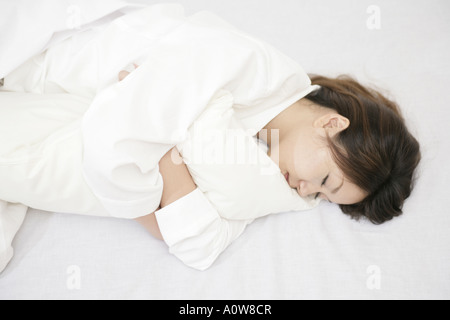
<point x="29" y="27"/>
<point x="184" y="65"/>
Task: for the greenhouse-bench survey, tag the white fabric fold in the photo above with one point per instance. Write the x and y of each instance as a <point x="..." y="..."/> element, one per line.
<point x="11" y="218"/>
<point x="29" y="27"/>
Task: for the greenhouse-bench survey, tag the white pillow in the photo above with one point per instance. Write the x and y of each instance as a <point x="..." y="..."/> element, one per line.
<point x="235" y="174"/>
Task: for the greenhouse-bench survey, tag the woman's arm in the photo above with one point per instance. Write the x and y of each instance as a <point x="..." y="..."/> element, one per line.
<point x="151" y="225"/>
<point x="176" y="177"/>
<point x="177" y="180"/>
<point x="177" y="183"/>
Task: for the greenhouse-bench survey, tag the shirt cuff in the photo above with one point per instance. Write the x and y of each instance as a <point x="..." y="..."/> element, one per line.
<point x="185" y="217"/>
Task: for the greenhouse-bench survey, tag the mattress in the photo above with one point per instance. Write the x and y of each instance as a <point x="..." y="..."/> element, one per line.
<point x="317" y="254"/>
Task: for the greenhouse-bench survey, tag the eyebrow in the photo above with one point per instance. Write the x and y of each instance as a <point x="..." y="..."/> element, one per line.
<point x="338" y="188"/>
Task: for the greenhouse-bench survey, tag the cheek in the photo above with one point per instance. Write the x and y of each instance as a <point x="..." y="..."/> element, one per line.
<point x="309" y="161"/>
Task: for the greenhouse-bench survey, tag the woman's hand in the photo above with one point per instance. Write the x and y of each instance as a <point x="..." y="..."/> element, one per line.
<point x="123" y="73"/>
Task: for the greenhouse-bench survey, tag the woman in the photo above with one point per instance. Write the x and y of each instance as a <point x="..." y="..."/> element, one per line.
<point x="341" y="126"/>
<point x="339" y="142"/>
<point x="344" y="126"/>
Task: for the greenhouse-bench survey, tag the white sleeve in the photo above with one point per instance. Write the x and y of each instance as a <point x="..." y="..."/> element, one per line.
<point x="133" y="123"/>
<point x="195" y="232"/>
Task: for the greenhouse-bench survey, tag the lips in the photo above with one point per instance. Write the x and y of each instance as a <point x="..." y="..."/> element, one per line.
<point x="286" y="176"/>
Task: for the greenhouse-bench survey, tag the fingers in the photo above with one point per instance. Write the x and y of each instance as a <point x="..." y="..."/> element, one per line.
<point x="123" y="74"/>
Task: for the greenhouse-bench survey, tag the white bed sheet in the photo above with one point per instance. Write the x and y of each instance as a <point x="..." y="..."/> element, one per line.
<point x="319" y="254"/>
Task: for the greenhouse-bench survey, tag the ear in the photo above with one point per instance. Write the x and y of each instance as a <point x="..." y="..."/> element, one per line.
<point x="331" y="124"/>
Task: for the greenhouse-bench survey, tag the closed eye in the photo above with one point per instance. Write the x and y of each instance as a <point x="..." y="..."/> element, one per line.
<point x="323" y="183"/>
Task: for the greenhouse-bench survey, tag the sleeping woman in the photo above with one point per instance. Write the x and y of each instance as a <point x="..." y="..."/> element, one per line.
<point x="87" y="143"/>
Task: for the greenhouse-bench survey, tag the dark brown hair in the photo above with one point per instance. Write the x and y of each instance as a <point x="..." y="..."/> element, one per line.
<point x="376" y="152"/>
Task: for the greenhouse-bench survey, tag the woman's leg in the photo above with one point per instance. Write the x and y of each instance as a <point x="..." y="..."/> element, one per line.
<point x="11" y="218"/>
<point x="41" y="153"/>
<point x="40" y="161"/>
<point x="70" y="66"/>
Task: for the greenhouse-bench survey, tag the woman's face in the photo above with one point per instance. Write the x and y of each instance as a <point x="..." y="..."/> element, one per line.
<point x="305" y="158"/>
<point x="310" y="168"/>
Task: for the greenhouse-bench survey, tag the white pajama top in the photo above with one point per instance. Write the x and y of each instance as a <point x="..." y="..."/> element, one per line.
<point x="183" y="63"/>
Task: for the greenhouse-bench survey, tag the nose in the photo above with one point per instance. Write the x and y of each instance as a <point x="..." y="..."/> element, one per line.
<point x="305" y="189"/>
